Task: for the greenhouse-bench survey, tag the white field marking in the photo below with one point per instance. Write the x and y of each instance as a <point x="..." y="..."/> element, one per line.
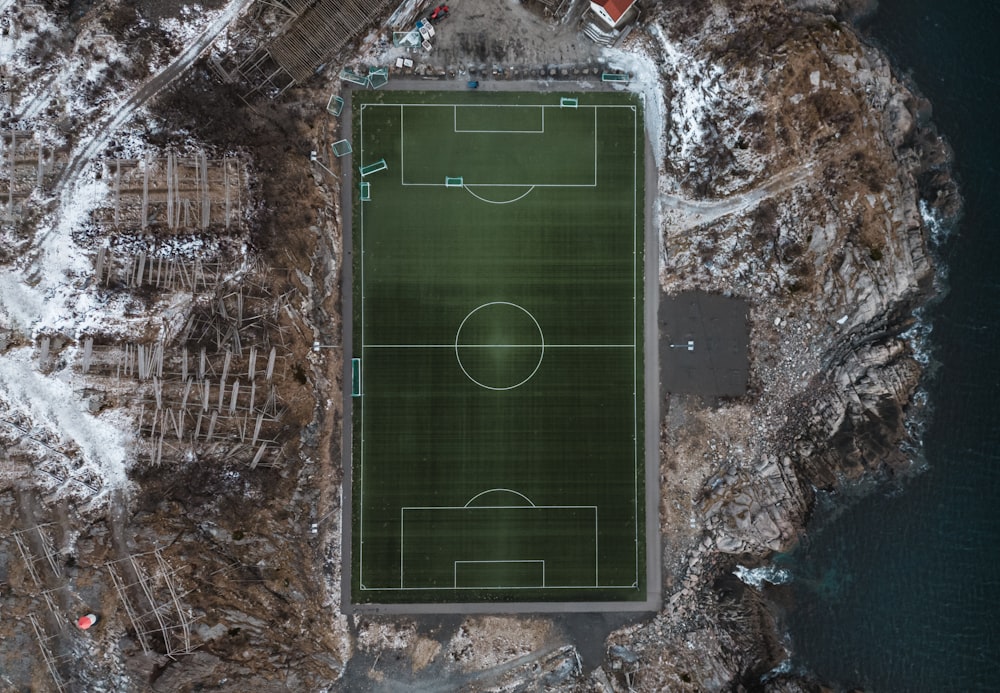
<point x="468" y="188"/>
<point x="635" y="356"/>
<point x="547" y="587"/>
<point x="597" y="562"/>
<point x="495" y="587"/>
<point x="497" y="105"/>
<point x="513" y="132"/>
<point x="361" y="462"/>
<point x="402" y="141"/>
<point x="633" y="346"/>
<point x="503" y="185"/>
<point x="402" y="549"/>
<point x="501" y="490"/>
<point x="499" y="507"/>
<point x="541" y="345"/>
<point x="498" y="346"/>
<point x="595" y="154"/>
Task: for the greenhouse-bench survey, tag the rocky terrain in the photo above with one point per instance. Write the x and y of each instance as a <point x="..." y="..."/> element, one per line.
<point x="795" y="169"/>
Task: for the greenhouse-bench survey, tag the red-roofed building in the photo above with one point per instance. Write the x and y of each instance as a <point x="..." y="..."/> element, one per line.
<point x="613" y="12"/>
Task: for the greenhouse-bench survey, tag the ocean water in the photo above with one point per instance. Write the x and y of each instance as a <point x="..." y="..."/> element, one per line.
<point x="900" y="591"/>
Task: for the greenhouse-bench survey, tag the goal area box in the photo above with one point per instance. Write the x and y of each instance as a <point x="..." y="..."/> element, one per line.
<point x="496" y="431"/>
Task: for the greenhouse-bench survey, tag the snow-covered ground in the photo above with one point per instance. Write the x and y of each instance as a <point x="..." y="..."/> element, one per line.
<point x="56" y="411"/>
<point x="49" y="290"/>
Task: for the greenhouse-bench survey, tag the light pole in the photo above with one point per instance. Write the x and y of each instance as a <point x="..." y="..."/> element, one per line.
<point x="313" y="158"/>
<point x="689" y="346"/>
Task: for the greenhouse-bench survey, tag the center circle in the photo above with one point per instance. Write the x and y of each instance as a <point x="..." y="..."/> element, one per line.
<point x="499" y="346"/>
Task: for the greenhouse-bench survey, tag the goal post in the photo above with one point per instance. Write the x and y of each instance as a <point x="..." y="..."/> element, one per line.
<point x="378" y="77"/>
<point x="567" y="102"/>
<point x="454" y="182"/>
<point x="341" y="148"/>
<point x="379" y="165"/>
<point x="616" y="77"/>
<point x="355" y="377"/>
<point x="335" y="106"/>
<point x="349" y="75"/>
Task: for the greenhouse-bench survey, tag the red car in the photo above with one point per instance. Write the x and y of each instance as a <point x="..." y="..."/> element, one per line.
<point x="439" y="13"/>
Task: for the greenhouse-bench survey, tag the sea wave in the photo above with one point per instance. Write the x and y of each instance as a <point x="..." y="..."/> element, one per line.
<point x="920" y="336"/>
<point x="938" y="229"/>
<point x="756" y="577"/>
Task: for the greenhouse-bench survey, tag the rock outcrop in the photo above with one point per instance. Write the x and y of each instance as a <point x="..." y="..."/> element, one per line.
<point x="800" y="174"/>
<point x="795" y="171"/>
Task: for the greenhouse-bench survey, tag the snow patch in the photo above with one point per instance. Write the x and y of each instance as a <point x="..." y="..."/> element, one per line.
<point x="48" y="294"/>
<point x="189" y="25"/>
<point x="646" y="81"/>
<point x="57" y="412"/>
<point x="696" y="95"/>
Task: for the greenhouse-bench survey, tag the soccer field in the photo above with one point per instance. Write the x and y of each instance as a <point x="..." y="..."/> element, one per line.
<point x="497" y="354"/>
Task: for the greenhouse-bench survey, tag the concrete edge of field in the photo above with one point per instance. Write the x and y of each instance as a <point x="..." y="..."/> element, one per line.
<point x="651" y="389"/>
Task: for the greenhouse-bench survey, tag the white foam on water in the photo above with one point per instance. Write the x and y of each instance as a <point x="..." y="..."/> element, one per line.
<point x="756" y="577"/>
<point x="938" y="231"/>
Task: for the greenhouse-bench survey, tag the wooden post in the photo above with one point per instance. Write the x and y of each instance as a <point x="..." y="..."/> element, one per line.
<point x="206" y="209"/>
<point x="259" y="456"/>
<point x="13" y="164"/>
<point x="270" y="364"/>
<point x="88" y="350"/>
<point x="145" y="191"/>
<point x="40" y="170"/>
<point x="118" y="189"/>
<point x="99" y="265"/>
<point x="225" y="185"/>
<point x="170" y="189"/>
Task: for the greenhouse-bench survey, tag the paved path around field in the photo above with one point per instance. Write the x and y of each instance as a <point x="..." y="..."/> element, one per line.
<point x="651" y="424"/>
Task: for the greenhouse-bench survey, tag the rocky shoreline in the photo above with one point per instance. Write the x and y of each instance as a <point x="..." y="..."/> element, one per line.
<point x="834" y="266"/>
<point x="795" y="171"/>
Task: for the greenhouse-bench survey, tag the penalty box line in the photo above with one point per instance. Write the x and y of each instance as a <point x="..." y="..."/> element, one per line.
<point x="402" y="142"/>
<point x="402" y="545"/>
<point x="498" y="346"/>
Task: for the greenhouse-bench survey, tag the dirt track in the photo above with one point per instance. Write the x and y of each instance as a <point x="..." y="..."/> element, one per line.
<point x="483" y="37"/>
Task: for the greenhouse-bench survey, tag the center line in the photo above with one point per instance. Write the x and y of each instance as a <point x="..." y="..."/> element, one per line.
<point x="497" y="346"/>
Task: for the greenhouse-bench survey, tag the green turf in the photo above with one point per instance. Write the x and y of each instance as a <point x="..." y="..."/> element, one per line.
<point x="498" y="437"/>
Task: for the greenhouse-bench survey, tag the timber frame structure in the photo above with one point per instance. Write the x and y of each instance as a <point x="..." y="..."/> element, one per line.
<point x="313" y="32"/>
